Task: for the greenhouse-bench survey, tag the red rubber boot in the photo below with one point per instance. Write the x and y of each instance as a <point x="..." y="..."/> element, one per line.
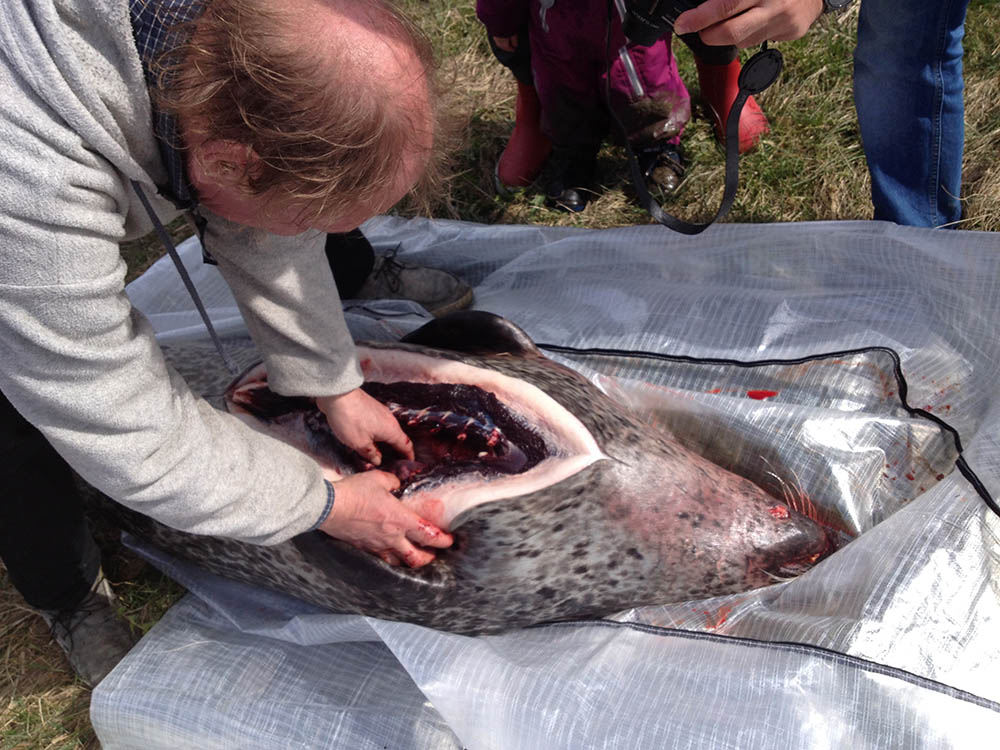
<point x="719" y="87"/>
<point x="528" y="148"/>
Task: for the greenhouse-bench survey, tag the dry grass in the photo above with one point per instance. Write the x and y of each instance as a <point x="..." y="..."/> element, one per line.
<point x="810" y="167"/>
<point x="43" y="705"/>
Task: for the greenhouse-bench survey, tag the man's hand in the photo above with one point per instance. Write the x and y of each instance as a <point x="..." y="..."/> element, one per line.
<point x="367" y="516"/>
<point x="745" y="23"/>
<point x="359" y="421"/>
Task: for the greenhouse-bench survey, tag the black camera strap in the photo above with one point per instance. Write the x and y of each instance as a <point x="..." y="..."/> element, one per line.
<point x="759" y="72"/>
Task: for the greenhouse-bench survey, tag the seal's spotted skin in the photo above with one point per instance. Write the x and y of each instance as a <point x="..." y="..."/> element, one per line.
<point x="651" y="523"/>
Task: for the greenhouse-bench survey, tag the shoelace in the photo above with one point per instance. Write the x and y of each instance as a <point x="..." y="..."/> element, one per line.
<point x="62" y="624"/>
<point x="390" y="270"/>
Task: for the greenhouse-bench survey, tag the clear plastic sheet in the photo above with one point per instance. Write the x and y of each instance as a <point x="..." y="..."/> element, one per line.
<point x="888" y="643"/>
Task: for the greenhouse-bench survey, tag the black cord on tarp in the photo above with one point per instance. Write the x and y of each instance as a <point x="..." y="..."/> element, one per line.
<point x="901" y="388"/>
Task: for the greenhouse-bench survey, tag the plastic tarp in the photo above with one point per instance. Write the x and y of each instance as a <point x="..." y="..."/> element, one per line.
<point x="846" y="363"/>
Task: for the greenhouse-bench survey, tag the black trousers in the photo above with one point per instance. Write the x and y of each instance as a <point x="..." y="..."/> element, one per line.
<point x="351" y="259"/>
<point x="45" y="541"/>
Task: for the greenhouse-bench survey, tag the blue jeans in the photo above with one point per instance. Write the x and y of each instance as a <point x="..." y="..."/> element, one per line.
<point x="908" y="93"/>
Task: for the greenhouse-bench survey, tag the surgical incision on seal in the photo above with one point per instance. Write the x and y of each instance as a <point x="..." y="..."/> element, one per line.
<point x="455" y="428"/>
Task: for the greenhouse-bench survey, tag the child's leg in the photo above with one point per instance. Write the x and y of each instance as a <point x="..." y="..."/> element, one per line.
<point x="663" y="108"/>
<point x="576" y="124"/>
<point x="718" y="71"/>
<point x="567" y="52"/>
<point x="528" y="148"/>
<point x="652" y="104"/>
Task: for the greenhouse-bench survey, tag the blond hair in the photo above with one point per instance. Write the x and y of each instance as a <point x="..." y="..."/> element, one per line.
<point x="323" y="141"/>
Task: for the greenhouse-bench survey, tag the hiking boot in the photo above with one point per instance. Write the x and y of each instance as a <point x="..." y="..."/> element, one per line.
<point x="525" y="153"/>
<point x="439" y="292"/>
<point x="93" y="636"/>
<point x="571" y="174"/>
<point x="662" y="165"/>
<point x="719" y="88"/>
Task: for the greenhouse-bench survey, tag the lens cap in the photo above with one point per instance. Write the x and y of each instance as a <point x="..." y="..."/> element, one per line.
<point x="761" y="70"/>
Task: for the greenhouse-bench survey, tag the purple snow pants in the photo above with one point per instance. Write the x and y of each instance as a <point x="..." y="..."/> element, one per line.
<point x="569" y="61"/>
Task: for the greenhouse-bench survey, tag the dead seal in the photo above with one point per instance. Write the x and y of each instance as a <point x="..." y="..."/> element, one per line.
<point x="561" y="503"/>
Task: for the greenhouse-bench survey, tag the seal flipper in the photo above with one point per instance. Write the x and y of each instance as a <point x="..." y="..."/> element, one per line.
<point x="474" y="332"/>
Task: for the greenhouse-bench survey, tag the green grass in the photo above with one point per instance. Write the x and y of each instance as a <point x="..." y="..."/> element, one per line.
<point x="810" y="167"/>
<point x="54" y="719"/>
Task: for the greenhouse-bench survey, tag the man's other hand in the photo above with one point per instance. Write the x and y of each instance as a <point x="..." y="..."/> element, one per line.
<point x="366" y="515"/>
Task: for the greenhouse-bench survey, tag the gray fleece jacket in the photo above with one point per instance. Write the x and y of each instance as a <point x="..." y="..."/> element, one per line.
<point x="75" y="359"/>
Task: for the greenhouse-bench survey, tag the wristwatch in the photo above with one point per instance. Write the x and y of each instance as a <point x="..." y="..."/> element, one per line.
<point x="835" y="6"/>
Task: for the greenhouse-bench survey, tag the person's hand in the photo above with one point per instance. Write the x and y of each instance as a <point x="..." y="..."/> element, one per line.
<point x="506" y="43"/>
<point x="359" y="421"/>
<point x="366" y="515"/>
<point x="745" y="23"/>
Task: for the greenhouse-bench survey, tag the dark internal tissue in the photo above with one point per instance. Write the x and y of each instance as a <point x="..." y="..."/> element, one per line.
<point x="455" y="428"/>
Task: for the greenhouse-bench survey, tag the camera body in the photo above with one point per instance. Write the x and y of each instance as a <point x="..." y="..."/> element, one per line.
<point x="647" y="20"/>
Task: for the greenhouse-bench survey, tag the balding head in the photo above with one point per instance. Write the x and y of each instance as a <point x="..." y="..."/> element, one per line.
<point x="315" y="109"/>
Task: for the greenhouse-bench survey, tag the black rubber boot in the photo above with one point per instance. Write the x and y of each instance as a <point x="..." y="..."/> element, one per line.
<point x="570" y="177"/>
